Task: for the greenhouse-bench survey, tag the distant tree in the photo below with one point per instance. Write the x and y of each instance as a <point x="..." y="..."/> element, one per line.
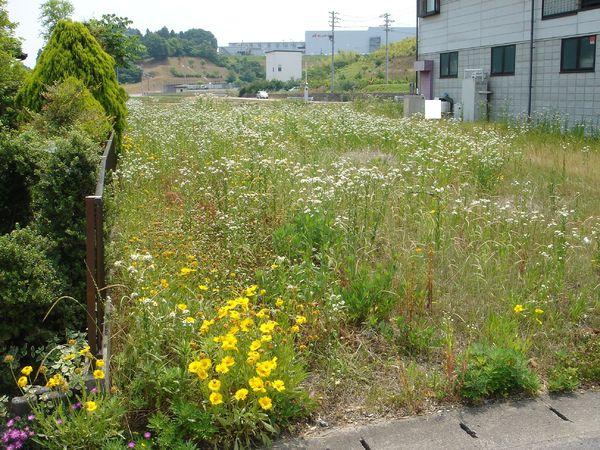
<point x="156" y="46"/>
<point x="112" y="33"/>
<point x="73" y="51"/>
<point x="12" y="71"/>
<point x="52" y="12"/>
<point x="197" y="36"/>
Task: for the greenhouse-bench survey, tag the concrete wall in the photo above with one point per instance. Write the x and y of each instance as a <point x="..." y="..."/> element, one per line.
<point x="472" y="27"/>
<point x="359" y="41"/>
<point x="284" y="66"/>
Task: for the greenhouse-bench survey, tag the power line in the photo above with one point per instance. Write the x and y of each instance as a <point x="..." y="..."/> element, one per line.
<point x="387" y="21"/>
<point x="333" y="20"/>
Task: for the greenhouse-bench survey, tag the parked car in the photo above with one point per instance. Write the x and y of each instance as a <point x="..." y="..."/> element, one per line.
<point x="262" y="94"/>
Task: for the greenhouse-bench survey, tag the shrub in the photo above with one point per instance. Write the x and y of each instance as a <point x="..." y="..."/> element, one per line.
<point x="29" y="285"/>
<point x="69" y="104"/>
<point x="69" y="176"/>
<point x="496" y="372"/>
<point x="19" y="163"/>
<point x="73" y="51"/>
<point x="563" y="379"/>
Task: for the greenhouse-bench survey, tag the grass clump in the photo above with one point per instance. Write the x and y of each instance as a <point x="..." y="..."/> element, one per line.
<point x="496" y="372"/>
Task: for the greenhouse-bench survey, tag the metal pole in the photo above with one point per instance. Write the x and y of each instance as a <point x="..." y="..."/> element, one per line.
<point x="530" y="101"/>
<point x="90" y="259"/>
<point x="334" y="19"/>
<point x="386" y="24"/>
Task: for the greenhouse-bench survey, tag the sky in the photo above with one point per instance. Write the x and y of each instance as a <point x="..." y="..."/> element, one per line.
<point x="231" y="21"/>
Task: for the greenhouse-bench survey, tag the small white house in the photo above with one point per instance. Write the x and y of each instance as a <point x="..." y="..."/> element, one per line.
<point x="284" y="65"/>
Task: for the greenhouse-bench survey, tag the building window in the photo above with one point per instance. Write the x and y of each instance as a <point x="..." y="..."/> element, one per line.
<point x="279" y="68"/>
<point x="578" y="54"/>
<point x="557" y="8"/>
<point x="449" y="65"/>
<point x="503" y="60"/>
<point x="428" y="7"/>
<point x="589" y="4"/>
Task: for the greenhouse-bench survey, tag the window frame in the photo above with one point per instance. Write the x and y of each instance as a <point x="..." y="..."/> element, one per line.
<point x="575" y="11"/>
<point x="504" y="73"/>
<point x="578" y="69"/>
<point x="449" y="64"/>
<point x="422" y="9"/>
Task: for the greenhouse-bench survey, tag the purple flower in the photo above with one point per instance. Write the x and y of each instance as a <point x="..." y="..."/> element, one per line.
<point x="58" y="421"/>
<point x="95" y="390"/>
<point x="76" y="406"/>
<point x="31" y="417"/>
<point x="131" y="444"/>
<point x="147" y="435"/>
<point x="10" y="423"/>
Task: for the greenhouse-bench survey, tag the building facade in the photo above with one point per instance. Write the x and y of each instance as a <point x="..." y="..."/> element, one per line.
<point x="358" y="41"/>
<point x="259" y="48"/>
<point x="540" y="63"/>
<point x="284" y="65"/>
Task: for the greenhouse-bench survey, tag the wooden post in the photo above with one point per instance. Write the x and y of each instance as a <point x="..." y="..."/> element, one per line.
<point x="90" y="259"/>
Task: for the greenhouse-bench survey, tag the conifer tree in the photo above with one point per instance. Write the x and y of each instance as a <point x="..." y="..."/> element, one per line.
<point x="73" y="52"/>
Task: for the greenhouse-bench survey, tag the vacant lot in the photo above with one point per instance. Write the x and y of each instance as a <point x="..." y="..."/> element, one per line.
<point x="352" y="262"/>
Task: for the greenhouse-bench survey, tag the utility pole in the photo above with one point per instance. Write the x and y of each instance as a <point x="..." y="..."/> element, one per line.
<point x="387" y="21"/>
<point x="333" y="19"/>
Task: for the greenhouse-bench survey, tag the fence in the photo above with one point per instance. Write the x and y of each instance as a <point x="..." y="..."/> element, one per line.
<point x="96" y="270"/>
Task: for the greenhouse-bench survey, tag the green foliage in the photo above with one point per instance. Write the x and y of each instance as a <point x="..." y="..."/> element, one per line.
<point x="70" y="105"/>
<point x="73" y="51"/>
<point x="247" y="68"/>
<point x="52" y="12"/>
<point x="251" y="89"/>
<point x="563" y="379"/>
<point x="415" y="337"/>
<point x="496" y="372"/>
<point x="193" y="42"/>
<point x="186" y="423"/>
<point x="111" y="32"/>
<point x="19" y="163"/>
<point x="12" y="71"/>
<point x="68" y="177"/>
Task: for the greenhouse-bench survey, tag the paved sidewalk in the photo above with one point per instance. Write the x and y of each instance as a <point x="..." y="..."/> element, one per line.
<point x="563" y="422"/>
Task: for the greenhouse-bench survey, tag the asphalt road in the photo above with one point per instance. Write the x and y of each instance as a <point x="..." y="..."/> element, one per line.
<point x="564" y="422"/>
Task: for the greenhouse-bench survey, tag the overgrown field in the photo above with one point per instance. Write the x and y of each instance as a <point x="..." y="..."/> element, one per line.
<point x="276" y="260"/>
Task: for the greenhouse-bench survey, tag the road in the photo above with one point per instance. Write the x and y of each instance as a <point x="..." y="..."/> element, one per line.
<point x="565" y="422"/>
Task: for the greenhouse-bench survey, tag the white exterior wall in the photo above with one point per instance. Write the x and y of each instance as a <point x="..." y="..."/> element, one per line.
<point x="284" y="66"/>
<point x="472" y="27"/>
<point x="358" y="41"/>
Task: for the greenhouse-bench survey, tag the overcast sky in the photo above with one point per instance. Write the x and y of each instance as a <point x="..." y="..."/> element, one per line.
<point x="230" y="21"/>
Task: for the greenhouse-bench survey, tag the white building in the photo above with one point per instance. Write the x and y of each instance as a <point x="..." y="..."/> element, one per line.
<point x="284" y="65"/>
<point x="259" y="48"/>
<point x="532" y="61"/>
<point x="358" y="41"/>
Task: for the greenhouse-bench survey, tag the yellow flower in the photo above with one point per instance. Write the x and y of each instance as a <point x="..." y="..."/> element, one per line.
<point x="300" y="320"/>
<point x="262" y="292"/>
<point x="279" y="302"/>
<point x="214" y="384"/>
<point x="268" y="327"/>
<point x="221" y="368"/>
<point x="203" y="287"/>
<point x="164" y="283"/>
<point x="255" y="345"/>
<point x="274" y="266"/>
<point x="27" y="370"/>
<point x="228" y="361"/>
<point x="194" y="366"/>
<point x="278" y="385"/>
<point x="263" y="369"/>
<point x="246" y="324"/>
<point x="85" y="350"/>
<point x="539" y="311"/>
<point x="182" y="306"/>
<point x="251" y="291"/>
<point x="205" y="363"/>
<point x="295" y="329"/>
<point x="518" y="309"/>
<point x="241" y="394"/>
<point x="99" y="374"/>
<point x="190" y="320"/>
<point x="206" y="325"/>
<point x="265" y="403"/>
<point x="215" y="398"/>
<point x="90" y="406"/>
<point x="22" y="382"/>
<point x="202" y="374"/>
<point x="263" y="313"/>
<point x="257" y="384"/>
<point x="253" y="357"/>
<point x="235" y="315"/>
<point x="99" y="363"/>
<point x="69" y="356"/>
<point x="186" y="271"/>
<point x="266" y="338"/>
<point x="229" y="342"/>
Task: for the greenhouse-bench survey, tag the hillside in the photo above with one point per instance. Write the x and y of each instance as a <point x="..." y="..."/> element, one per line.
<point x="174" y="70"/>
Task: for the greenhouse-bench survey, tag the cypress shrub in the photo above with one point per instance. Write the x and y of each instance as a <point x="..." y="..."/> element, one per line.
<point x="73" y="51"/>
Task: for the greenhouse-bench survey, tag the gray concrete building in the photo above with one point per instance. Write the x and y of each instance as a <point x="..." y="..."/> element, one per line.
<point x="358" y="41"/>
<point x="540" y="63"/>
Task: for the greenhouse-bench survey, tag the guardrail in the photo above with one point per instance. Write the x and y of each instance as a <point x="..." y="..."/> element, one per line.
<point x="96" y="270"/>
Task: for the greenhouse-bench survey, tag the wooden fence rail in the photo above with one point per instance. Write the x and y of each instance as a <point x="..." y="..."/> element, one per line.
<point x="95" y="264"/>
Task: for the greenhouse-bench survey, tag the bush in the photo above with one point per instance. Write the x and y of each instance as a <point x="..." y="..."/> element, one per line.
<point x="496" y="372"/>
<point x="251" y="89"/>
<point x="29" y="285"/>
<point x="73" y="51"/>
<point x="563" y="379"/>
<point x="68" y="177"/>
<point x="69" y="104"/>
<point x="19" y="163"/>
